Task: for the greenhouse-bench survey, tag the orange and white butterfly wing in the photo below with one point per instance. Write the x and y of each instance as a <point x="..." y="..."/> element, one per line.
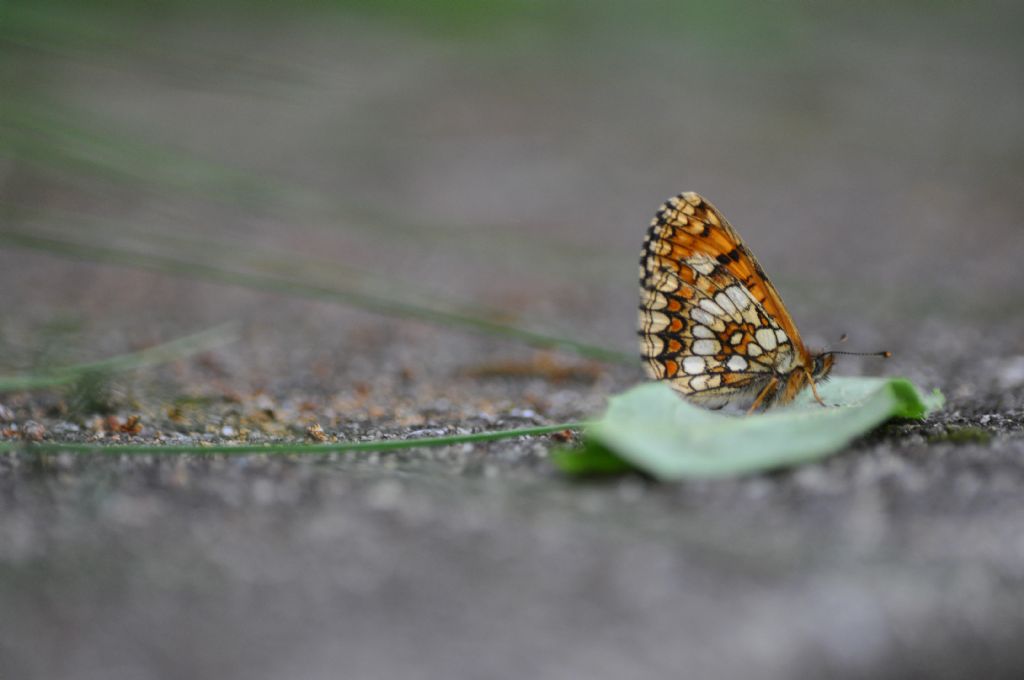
<point x="710" y="321"/>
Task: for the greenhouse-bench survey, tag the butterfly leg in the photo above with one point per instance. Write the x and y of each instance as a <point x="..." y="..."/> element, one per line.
<point x="768" y="390"/>
<point x="814" y="389"/>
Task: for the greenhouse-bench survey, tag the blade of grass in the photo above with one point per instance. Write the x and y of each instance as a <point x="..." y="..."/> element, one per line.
<point x="229" y="250"/>
<point x="169" y="351"/>
<point x="48" y="134"/>
<point x="373" y="303"/>
<point x="297" y="448"/>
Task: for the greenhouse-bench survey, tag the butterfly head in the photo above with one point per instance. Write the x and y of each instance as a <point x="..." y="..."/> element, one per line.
<point x="822" y="366"/>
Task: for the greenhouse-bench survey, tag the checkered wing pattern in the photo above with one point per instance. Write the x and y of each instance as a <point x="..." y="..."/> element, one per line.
<point x="711" y="323"/>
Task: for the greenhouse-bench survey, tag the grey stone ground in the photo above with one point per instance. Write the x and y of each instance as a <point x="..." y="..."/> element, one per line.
<point x="878" y="179"/>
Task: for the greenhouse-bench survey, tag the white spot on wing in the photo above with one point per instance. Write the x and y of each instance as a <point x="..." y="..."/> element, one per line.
<point x="654" y="300"/>
<point x="699" y="382"/>
<point x="703" y="332"/>
<point x="654" y="321"/>
<point x="693" y="365"/>
<point x="667" y="282"/>
<point x="737" y="363"/>
<point x="710" y="307"/>
<point x="706" y="347"/>
<point x="738" y="296"/>
<point x="781" y="336"/>
<point x="652" y="345"/>
<point x="766" y="338"/>
<point x="702" y="265"/>
<point x="725" y="303"/>
<point x="702" y="317"/>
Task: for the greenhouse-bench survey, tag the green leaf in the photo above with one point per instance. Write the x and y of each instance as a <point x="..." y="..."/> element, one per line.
<point x="593" y="459"/>
<point x="653" y="430"/>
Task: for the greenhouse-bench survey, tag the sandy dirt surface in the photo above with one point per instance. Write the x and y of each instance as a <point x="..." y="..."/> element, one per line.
<point x="875" y="164"/>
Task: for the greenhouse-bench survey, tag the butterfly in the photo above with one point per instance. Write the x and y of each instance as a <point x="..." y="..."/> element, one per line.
<point x="711" y="322"/>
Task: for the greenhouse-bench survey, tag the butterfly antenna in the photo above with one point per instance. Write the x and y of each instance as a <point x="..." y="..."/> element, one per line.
<point x="885" y="354"/>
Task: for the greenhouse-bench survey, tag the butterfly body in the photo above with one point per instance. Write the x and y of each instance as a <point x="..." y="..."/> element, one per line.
<point x="711" y="322"/>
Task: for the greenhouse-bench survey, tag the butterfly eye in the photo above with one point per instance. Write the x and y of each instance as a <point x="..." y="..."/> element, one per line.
<point x="819" y="364"/>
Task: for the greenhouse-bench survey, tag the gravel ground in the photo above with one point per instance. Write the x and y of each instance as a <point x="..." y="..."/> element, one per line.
<point x="520" y="181"/>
